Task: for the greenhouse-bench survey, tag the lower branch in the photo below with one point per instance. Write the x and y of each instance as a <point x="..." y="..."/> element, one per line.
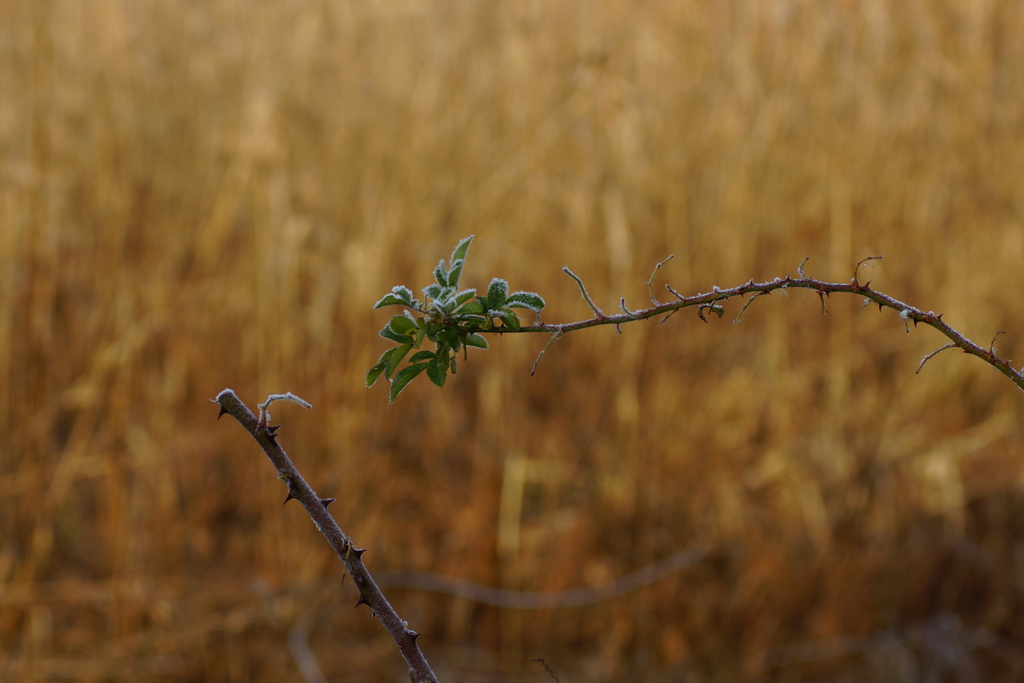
<point x="316" y="507"/>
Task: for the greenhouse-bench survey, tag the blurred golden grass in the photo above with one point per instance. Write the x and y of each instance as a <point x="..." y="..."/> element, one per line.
<point x="196" y="195"/>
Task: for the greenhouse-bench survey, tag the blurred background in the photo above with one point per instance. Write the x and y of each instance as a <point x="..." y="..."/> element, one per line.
<point x="197" y="195"/>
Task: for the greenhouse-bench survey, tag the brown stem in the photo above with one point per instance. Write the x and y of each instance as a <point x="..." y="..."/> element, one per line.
<point x="711" y="300"/>
<point x="316" y="507"/>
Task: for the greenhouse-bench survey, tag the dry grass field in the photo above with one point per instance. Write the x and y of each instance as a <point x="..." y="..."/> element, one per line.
<point x="205" y="194"/>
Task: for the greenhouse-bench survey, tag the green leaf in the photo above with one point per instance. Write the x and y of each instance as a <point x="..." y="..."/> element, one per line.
<point x="391" y="335"/>
<point x="475" y="340"/>
<point x="436" y="372"/>
<point x="497" y="293"/>
<point x="403" y="293"/>
<point x="451" y="335"/>
<point x="396" y="359"/>
<point x="529" y="300"/>
<point x="434" y="291"/>
<point x="399" y="296"/>
<point x="403" y="378"/>
<point x="384" y="357"/>
<point x="373" y="374"/>
<point x="510" y="318"/>
<point x="389" y="300"/>
<point x="472" y="307"/>
<point x="445" y="302"/>
<point x="402" y="324"/>
<point x="422" y="356"/>
<point x="441" y="274"/>
<point x="455" y="274"/>
<point x="461" y="249"/>
<point x="464" y="296"/>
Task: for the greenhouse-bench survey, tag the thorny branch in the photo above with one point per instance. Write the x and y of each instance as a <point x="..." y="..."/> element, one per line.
<point x="711" y="301"/>
<point x="316" y="507"/>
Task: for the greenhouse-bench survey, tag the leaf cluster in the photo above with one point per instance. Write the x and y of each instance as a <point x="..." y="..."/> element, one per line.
<point x="450" y="318"/>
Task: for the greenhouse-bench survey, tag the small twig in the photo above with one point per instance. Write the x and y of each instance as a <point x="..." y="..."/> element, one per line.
<point x="800" y="268"/>
<point x="265" y="414"/>
<point x="665" y="319"/>
<point x="992" y="344"/>
<point x="583" y="291"/>
<point x="860" y="263"/>
<point x="650" y="280"/>
<point x="622" y="305"/>
<point x="555" y="337"/>
<point x="932" y="355"/>
<point x="746" y="306"/>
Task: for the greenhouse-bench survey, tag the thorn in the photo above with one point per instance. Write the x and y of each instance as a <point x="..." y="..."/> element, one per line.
<point x="290" y="497"/>
<point x="221" y="412"/>
<point x="879" y="307"/>
<point x="358" y="552"/>
<point x="618" y="328"/>
<point x="343" y="579"/>
<point x="412" y="634"/>
<point x="272" y="433"/>
<point x="361" y="601"/>
<point x="327" y="501"/>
